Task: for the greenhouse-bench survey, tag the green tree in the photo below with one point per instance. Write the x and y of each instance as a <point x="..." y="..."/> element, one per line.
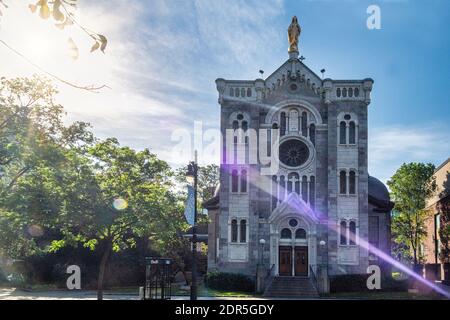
<point x="121" y="194"/>
<point x="411" y="185"/>
<point x="33" y="150"/>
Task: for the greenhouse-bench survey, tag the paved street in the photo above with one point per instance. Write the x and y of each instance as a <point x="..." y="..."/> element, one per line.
<point x="13" y="294"/>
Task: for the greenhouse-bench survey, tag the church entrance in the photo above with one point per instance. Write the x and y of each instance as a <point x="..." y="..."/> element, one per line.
<point x="293" y="261"/>
<point x="301" y="261"/>
<point x="285" y="268"/>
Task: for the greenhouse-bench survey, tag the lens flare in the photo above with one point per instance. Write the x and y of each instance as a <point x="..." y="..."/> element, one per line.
<point x="359" y="241"/>
<point x="120" y="204"/>
<point x="35" y="231"/>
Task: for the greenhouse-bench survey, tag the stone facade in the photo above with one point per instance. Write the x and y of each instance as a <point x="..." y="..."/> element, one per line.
<point x="316" y="198"/>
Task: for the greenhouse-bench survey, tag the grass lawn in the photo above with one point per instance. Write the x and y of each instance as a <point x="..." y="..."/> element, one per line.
<point x="207" y="292"/>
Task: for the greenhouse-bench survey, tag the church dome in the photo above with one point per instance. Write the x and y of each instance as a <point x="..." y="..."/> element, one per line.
<point x="378" y="190"/>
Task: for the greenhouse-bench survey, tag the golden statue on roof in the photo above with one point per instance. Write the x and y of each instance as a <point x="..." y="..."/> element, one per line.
<point x="294" y="31"/>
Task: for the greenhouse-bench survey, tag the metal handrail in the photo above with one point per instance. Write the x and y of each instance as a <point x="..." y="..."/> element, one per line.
<point x="269" y="277"/>
<point x="314" y="278"/>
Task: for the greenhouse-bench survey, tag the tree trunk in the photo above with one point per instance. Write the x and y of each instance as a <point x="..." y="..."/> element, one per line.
<point x="102" y="269"/>
<point x="415" y="256"/>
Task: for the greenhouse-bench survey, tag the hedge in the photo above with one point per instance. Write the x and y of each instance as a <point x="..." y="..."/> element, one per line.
<point x="229" y="282"/>
<point x="358" y="283"/>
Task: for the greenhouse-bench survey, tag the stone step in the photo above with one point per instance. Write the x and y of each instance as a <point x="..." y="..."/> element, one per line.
<point x="291" y="287"/>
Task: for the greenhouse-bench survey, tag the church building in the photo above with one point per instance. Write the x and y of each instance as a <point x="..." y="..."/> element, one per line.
<point x="309" y="210"/>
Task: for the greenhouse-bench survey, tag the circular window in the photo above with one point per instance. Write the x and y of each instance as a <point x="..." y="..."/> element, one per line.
<point x="293" y="87"/>
<point x="240" y="117"/>
<point x="293" y="152"/>
<point x="293" y="222"/>
<point x="347" y="117"/>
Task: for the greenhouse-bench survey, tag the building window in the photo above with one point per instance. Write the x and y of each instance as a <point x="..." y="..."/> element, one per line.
<point x="286" y="233"/>
<point x="282" y="124"/>
<point x="242" y="92"/>
<point x="249" y="92"/>
<point x="312" y="191"/>
<point x="352" y="231"/>
<point x="342" y="133"/>
<point x="437" y="227"/>
<point x="244" y="181"/>
<point x="352" y="133"/>
<point x="231" y="92"/>
<point x="234" y="230"/>
<point x="300" y="234"/>
<point x="293" y="223"/>
<point x="234" y="181"/>
<point x="343" y="231"/>
<point x="243" y="230"/>
<point x="304" y="124"/>
<point x="342" y="182"/>
<point x="312" y="134"/>
<point x="305" y="188"/>
<point x="352" y="182"/>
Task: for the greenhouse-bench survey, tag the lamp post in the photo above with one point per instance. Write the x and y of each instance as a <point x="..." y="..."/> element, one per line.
<point x="191" y="177"/>
<point x="262" y="242"/>
<point x="323" y="243"/>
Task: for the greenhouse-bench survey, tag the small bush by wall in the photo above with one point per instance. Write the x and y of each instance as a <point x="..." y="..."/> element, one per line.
<point x="229" y="282"/>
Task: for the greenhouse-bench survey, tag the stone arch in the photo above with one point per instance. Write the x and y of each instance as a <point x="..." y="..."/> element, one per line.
<point x="294" y="102"/>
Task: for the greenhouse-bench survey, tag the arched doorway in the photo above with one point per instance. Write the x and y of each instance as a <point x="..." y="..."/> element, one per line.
<point x="293" y="249"/>
<point x="293" y="238"/>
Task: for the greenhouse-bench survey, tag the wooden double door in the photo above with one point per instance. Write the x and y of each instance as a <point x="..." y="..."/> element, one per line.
<point x="293" y="261"/>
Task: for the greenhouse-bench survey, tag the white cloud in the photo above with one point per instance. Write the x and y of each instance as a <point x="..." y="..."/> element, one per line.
<point x="391" y="146"/>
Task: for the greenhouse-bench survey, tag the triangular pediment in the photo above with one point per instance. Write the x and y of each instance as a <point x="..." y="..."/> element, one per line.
<point x="293" y="71"/>
<point x="293" y="205"/>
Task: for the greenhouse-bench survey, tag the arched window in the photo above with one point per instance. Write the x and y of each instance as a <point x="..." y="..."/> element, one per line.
<point x="234" y="181"/>
<point x="282" y="188"/>
<point x="312" y="134"/>
<point x="249" y="92"/>
<point x="235" y="125"/>
<point x="342" y="182"/>
<point x="356" y="92"/>
<point x="297" y="183"/>
<point x="234" y="230"/>
<point x="244" y="181"/>
<point x="244" y="126"/>
<point x="286" y="233"/>
<point x="304" y="123"/>
<point x="312" y="191"/>
<point x="343" y="231"/>
<point x="342" y="133"/>
<point x="305" y="188"/>
<point x="350" y="92"/>
<point x="236" y="92"/>
<point x="231" y="92"/>
<point x="242" y="92"/>
<point x="352" y="182"/>
<point x="274" y="191"/>
<point x="300" y="234"/>
<point x="344" y="92"/>
<point x="352" y="133"/>
<point x="282" y="124"/>
<point x="243" y="231"/>
<point x="352" y="230"/>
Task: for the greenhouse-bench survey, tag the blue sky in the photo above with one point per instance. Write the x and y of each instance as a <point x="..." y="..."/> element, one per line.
<point x="163" y="57"/>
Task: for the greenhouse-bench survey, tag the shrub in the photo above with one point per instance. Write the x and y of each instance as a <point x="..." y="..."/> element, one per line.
<point x="3" y="278"/>
<point x="229" y="282"/>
